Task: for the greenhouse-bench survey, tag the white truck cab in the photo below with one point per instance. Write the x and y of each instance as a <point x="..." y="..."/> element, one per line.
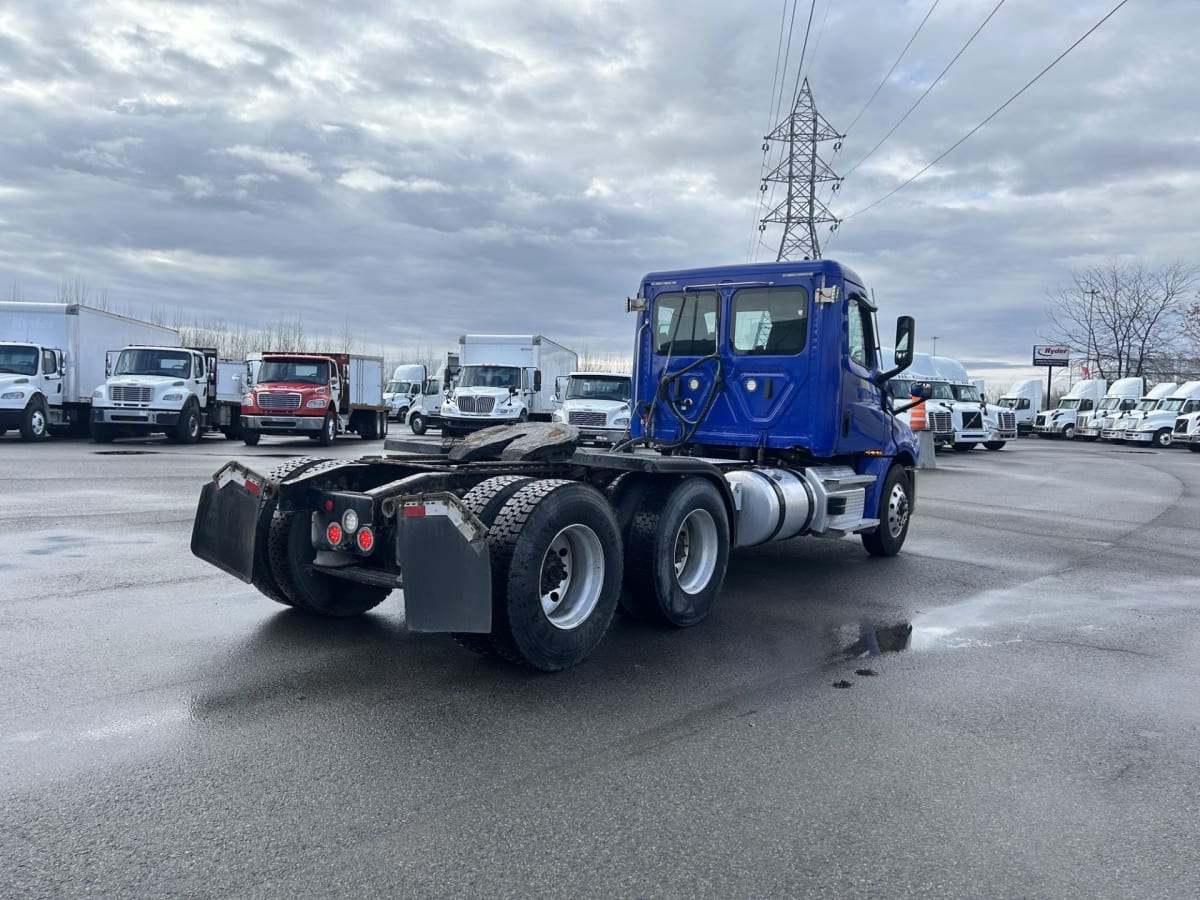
<point x="1024" y="398"/>
<point x="597" y="403"/>
<point x="152" y="389"/>
<point x="1061" y="421"/>
<point x="1113" y="428"/>
<point x="1122" y="397"/>
<point x="31" y="385"/>
<point x="403" y="389"/>
<point x="1157" y="426"/>
<point x="967" y="408"/>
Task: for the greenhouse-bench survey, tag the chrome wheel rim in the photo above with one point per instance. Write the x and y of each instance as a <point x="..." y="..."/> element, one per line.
<point x="897" y="510"/>
<point x="37" y="422"/>
<point x="572" y="577"/>
<point x="694" y="554"/>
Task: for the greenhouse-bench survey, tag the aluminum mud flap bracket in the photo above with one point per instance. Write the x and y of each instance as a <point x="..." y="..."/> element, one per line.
<point x="442" y="550"/>
<point x="223" y="532"/>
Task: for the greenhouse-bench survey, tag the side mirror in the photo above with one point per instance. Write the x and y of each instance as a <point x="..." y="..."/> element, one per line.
<point x="906" y="333"/>
<point x="537" y="379"/>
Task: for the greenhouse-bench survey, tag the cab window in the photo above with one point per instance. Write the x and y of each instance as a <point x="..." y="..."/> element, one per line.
<point x="772" y="320"/>
<point x="858" y="328"/>
<point x="685" y="324"/>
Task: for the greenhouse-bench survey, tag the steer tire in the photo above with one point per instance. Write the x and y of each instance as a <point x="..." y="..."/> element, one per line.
<point x="328" y="430"/>
<point x="250" y="437"/>
<point x="102" y="433"/>
<point x="1162" y="437"/>
<point x="34" y="421"/>
<point x="417" y="424"/>
<point x="1195" y="448"/>
<point x="485" y="500"/>
<point x="678" y="549"/>
<point x="187" y="429"/>
<point x="995" y="445"/>
<point x="291" y="556"/>
<point x="1068" y="432"/>
<point x="556" y="572"/>
<point x="894" y="514"/>
<point x="964" y="446"/>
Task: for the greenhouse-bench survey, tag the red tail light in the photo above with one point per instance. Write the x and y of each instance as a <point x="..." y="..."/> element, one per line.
<point x="333" y="534"/>
<point x="366" y="539"/>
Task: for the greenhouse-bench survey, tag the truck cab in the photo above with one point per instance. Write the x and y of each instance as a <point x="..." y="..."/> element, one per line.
<point x="1158" y="425"/>
<point x="1114" y="424"/>
<point x="31" y="388"/>
<point x="1024" y="398"/>
<point x="597" y="403"/>
<point x="153" y="389"/>
<point x="1122" y="397"/>
<point x="1061" y="421"/>
<point x="999" y="423"/>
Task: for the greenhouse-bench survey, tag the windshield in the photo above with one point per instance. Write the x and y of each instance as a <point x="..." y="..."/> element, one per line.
<point x="490" y="376"/>
<point x="19" y="360"/>
<point x="1008" y="402"/>
<point x="598" y="387"/>
<point x="1173" y="405"/>
<point x="1110" y="403"/>
<point x="306" y="371"/>
<point x="150" y="361"/>
<point x="941" y="391"/>
<point x="399" y="387"/>
<point x="1146" y="404"/>
<point x="967" y="393"/>
<point x="1073" y="403"/>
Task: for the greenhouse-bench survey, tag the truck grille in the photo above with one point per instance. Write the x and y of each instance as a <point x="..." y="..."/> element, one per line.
<point x="941" y="423"/>
<point x="1181" y="426"/>
<point x="972" y="420"/>
<point x="1007" y="420"/>
<point x="1040" y="421"/>
<point x="123" y="393"/>
<point x="278" y="400"/>
<point x="589" y="419"/>
<point x="470" y="404"/>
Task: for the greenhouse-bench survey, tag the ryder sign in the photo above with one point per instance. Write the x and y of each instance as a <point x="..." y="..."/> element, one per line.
<point x="1050" y="355"/>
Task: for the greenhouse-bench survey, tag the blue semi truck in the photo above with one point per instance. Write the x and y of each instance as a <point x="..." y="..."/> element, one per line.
<point x="759" y="414"/>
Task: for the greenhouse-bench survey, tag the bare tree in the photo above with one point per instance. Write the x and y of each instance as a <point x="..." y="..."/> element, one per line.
<point x="76" y="290"/>
<point x="1126" y="320"/>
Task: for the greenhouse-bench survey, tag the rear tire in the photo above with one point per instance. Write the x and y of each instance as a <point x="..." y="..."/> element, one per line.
<point x="678" y="547"/>
<point x="263" y="579"/>
<point x="556" y="572"/>
<point x="34" y="423"/>
<point x="1195" y="448"/>
<point x="895" y="513"/>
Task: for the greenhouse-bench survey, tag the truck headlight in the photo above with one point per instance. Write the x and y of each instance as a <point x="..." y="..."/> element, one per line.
<point x="13" y="395"/>
<point x="98" y="394"/>
<point x="172" y="396"/>
<point x="557" y="416"/>
<point x="317" y="403"/>
<point x="621" y="421"/>
<point x="247" y="400"/>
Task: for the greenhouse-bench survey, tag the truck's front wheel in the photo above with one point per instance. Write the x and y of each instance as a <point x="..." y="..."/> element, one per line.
<point x="895" y="511"/>
<point x="328" y="430"/>
<point x="556" y="572"/>
<point x="1162" y="437"/>
<point x="292" y="554"/>
<point x="250" y="437"/>
<point x="995" y="445"/>
<point x="187" y="430"/>
<point x="33" y="423"/>
<point x="678" y="548"/>
<point x="417" y="423"/>
<point x="102" y="433"/>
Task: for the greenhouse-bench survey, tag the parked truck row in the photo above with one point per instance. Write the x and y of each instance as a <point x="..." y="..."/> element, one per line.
<point x="1125" y="412"/>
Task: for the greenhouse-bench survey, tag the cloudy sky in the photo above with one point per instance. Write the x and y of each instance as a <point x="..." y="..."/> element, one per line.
<point x="421" y="169"/>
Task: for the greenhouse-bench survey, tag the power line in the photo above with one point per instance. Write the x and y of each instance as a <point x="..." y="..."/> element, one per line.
<point x="766" y="147"/>
<point x="803" y="50"/>
<point x="871" y="99"/>
<point x="995" y="113"/>
<point x="961" y="51"/>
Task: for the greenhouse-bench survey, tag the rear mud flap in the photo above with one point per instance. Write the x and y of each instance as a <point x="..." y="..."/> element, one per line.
<point x="446" y="569"/>
<point x="223" y="531"/>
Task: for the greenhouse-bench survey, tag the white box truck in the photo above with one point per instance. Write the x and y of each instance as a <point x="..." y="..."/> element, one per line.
<point x="52" y="356"/>
<point x="1060" y="421"/>
<point x="1113" y="427"/>
<point x="181" y="392"/>
<point x="1024" y="398"/>
<point x="597" y="403"/>
<point x="1122" y="396"/>
<point x="504" y="378"/>
<point x="1157" y="426"/>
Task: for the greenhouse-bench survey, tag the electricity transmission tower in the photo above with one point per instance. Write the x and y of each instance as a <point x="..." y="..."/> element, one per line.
<point x="800" y="170"/>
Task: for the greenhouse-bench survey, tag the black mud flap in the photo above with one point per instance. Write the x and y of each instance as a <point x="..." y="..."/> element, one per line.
<point x="445" y="566"/>
<point x="223" y="531"/>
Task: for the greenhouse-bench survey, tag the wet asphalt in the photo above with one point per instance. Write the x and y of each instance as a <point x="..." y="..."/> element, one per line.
<point x="1008" y="709"/>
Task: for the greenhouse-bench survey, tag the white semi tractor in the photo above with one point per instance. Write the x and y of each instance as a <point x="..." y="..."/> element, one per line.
<point x="52" y="356"/>
<point x="1024" y="398"/>
<point x="597" y="403"/>
<point x="1113" y="428"/>
<point x="1157" y="426"/>
<point x="1122" y="397"/>
<point x="975" y="422"/>
<point x="1061" y="421"/>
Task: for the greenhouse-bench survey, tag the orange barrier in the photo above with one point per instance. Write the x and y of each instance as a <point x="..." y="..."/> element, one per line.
<point x="916" y="417"/>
